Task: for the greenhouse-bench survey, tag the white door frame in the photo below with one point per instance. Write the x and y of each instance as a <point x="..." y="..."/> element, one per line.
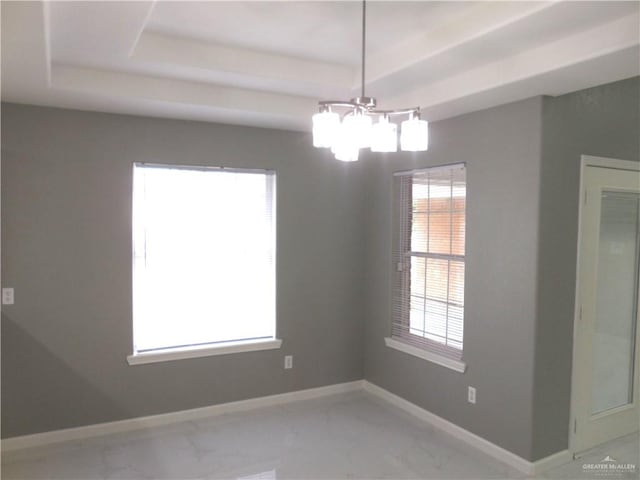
<point x="586" y="161"/>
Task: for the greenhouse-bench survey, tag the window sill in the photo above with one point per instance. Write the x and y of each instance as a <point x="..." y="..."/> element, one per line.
<point x="170" y="354"/>
<point x="441" y="360"/>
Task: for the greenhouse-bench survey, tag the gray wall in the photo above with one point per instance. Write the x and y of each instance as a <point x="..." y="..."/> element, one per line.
<point x="501" y="148"/>
<point x="602" y="121"/>
<point x="66" y="249"/>
<point x="522" y="215"/>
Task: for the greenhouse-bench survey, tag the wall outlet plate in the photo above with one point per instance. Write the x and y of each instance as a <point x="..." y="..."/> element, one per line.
<point x="7" y="296"/>
<point x="471" y="395"/>
<point x="288" y="361"/>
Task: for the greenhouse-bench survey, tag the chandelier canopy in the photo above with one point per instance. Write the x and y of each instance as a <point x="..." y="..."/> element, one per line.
<point x="346" y="134"/>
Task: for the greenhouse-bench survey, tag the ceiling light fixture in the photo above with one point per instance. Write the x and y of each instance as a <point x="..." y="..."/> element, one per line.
<point x="345" y="137"/>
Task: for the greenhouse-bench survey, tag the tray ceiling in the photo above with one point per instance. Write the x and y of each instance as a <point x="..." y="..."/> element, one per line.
<point x="267" y="63"/>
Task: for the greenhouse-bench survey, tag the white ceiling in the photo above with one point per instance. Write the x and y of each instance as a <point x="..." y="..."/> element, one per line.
<point x="267" y="63"/>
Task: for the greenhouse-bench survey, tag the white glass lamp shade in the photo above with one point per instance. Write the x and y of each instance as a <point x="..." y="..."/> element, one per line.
<point x="358" y="127"/>
<point x="347" y="153"/>
<point x="414" y="136"/>
<point x="384" y="136"/>
<point x="345" y="147"/>
<point x="325" y="129"/>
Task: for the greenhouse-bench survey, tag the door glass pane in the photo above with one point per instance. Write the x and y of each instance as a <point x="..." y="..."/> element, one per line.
<point x="616" y="301"/>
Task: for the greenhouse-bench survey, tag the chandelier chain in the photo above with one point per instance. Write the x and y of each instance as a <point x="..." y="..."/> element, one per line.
<point x="364" y="38"/>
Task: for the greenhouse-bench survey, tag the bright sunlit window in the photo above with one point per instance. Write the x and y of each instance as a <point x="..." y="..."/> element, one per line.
<point x="203" y="256"/>
<point x="430" y="259"/>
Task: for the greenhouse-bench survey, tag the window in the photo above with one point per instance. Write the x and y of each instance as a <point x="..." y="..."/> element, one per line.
<point x="203" y="260"/>
<point x="430" y="260"/>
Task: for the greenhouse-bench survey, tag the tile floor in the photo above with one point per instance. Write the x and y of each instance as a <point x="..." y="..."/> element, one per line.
<point x="345" y="436"/>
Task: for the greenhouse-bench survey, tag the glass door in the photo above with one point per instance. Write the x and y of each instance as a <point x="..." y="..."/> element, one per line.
<point x="616" y="301"/>
<point x="605" y="397"/>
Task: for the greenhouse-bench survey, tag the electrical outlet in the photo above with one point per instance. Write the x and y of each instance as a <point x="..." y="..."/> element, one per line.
<point x="7" y="296"/>
<point x="288" y="361"/>
<point x="471" y="395"/>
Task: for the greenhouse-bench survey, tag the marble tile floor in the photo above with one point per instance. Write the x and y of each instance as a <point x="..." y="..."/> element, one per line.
<point x="346" y="436"/>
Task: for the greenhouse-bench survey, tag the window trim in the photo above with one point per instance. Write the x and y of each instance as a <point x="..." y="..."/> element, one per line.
<point x="440" y="354"/>
<point x="428" y="355"/>
<point x="207" y="350"/>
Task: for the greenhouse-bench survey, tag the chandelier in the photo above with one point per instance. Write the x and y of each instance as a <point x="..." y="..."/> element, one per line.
<point x="346" y="126"/>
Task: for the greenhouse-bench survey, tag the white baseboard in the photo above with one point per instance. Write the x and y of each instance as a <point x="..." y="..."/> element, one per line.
<point x="89" y="431"/>
<point x="15" y="444"/>
<point x="491" y="449"/>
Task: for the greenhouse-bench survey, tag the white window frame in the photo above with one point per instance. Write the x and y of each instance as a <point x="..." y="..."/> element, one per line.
<point x="401" y="338"/>
<point x="213" y="348"/>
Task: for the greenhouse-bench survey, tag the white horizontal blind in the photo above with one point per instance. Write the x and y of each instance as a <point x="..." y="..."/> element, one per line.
<point x="430" y="259"/>
<point x="203" y="256"/>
